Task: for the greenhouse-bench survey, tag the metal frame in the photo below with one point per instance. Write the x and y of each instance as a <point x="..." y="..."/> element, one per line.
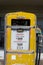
<point x="30" y="52"/>
<point x="20" y="27"/>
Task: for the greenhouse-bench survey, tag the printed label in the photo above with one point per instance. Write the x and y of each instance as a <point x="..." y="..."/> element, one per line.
<point x="19" y="40"/>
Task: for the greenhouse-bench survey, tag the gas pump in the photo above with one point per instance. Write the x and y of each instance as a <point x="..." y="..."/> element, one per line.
<point x="20" y="44"/>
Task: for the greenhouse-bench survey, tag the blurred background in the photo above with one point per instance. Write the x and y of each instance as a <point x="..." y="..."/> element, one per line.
<point x="32" y="6"/>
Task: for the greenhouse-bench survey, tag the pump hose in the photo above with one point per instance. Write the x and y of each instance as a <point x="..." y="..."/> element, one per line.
<point x="38" y="53"/>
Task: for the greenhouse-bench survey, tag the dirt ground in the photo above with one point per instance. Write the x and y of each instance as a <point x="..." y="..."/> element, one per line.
<point x="1" y="62"/>
<point x="41" y="62"/>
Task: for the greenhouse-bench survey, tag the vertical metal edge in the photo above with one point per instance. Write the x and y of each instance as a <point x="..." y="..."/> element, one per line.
<point x="29" y="39"/>
<point x="5" y="42"/>
<point x="35" y="27"/>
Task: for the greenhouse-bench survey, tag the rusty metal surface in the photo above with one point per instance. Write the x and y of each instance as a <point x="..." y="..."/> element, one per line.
<point x="2" y="62"/>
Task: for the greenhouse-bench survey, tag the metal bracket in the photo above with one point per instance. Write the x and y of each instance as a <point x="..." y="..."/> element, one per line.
<point x="21" y="27"/>
<point x="30" y="52"/>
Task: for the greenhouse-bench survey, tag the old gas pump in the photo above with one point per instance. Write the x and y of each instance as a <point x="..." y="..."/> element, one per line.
<point x="20" y="44"/>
